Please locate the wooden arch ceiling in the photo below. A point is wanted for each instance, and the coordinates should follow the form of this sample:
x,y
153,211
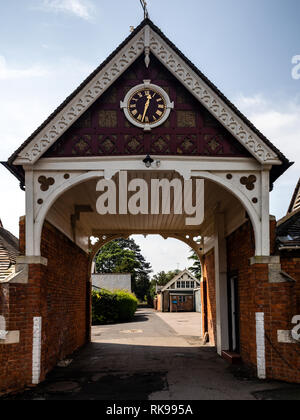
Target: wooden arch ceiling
x,y
104,131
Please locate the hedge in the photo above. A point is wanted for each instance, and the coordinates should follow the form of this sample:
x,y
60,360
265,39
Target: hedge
x,y
113,307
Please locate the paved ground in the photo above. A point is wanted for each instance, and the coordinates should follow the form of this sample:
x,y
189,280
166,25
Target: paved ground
x,y
150,359
185,324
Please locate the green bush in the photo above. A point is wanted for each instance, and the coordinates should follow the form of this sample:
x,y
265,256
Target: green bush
x,y
113,307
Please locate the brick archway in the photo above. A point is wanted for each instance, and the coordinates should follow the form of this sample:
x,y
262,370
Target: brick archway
x,y
258,218
88,137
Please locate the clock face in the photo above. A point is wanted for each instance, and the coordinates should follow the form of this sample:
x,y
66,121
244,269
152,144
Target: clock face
x,y
147,106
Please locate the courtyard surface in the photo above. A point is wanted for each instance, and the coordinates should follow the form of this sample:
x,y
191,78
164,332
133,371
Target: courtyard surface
x,y
155,357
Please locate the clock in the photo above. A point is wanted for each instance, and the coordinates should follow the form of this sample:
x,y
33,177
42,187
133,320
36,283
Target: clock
x,y
147,106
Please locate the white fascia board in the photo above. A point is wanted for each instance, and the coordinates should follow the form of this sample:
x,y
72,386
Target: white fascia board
x,y
193,164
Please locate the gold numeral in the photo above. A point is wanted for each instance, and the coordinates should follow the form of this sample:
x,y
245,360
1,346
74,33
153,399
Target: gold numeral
x,y
134,112
140,117
159,113
161,106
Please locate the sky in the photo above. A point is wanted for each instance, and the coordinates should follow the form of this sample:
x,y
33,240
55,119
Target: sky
x,y
247,48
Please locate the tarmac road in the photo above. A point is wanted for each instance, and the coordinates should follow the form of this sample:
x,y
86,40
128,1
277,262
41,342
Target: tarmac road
x,y
151,358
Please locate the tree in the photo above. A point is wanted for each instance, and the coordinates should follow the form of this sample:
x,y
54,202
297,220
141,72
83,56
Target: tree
x,y
163,278
124,256
196,268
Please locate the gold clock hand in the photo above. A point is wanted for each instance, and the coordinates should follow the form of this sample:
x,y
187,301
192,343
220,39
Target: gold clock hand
x,y
146,107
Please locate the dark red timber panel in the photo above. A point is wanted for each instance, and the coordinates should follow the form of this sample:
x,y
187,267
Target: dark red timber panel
x,y
104,130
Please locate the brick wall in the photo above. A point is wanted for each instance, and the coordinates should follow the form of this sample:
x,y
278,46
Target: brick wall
x,y
240,248
290,263
16,359
58,293
159,303
278,302
64,289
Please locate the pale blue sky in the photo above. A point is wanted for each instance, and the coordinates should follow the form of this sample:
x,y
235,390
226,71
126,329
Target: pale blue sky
x,y
47,47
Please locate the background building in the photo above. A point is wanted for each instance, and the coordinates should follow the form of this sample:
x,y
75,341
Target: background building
x,y
9,250
112,282
178,294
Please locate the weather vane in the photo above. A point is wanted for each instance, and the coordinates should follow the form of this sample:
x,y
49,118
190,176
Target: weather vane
x,y
144,6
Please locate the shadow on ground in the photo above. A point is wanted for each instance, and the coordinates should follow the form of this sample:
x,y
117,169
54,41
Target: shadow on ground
x,y
150,361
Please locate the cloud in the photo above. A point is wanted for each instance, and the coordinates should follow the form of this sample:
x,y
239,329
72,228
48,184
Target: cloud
x,y
80,8
172,252
280,122
29,99
8,73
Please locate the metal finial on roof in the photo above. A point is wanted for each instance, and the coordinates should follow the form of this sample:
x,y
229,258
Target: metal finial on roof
x,y
144,6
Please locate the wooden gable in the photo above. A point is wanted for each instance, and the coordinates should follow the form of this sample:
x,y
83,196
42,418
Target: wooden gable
x,y
9,250
295,202
206,125
104,130
184,276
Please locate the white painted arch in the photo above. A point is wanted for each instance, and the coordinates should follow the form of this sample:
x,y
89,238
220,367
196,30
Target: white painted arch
x,y
34,223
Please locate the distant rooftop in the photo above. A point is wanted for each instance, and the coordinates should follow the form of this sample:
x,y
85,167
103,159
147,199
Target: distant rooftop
x,y
9,250
288,228
295,202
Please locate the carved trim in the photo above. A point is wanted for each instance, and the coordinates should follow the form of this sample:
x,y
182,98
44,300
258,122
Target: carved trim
x,y
45,182
249,182
107,76
211,101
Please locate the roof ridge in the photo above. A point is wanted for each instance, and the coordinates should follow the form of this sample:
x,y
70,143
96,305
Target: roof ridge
x,y
294,197
288,218
276,170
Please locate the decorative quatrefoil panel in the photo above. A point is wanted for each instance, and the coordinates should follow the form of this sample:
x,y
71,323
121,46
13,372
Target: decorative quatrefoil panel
x,y
46,183
249,182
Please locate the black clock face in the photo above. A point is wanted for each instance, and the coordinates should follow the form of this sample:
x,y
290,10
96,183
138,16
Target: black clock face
x,y
147,106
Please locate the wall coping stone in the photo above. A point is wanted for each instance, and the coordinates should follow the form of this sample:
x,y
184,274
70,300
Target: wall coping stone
x,y
265,260
32,260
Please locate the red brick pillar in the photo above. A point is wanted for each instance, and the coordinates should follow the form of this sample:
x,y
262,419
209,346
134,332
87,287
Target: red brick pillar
x,y
88,311
275,297
16,358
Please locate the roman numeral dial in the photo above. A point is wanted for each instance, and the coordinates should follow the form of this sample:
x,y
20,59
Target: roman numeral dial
x,y
147,106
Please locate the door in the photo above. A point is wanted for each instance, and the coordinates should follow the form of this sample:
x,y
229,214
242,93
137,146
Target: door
x,y
234,316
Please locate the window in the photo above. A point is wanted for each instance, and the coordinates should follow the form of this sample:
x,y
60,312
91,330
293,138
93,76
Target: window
x,y
188,284
192,285
182,299
178,285
183,284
